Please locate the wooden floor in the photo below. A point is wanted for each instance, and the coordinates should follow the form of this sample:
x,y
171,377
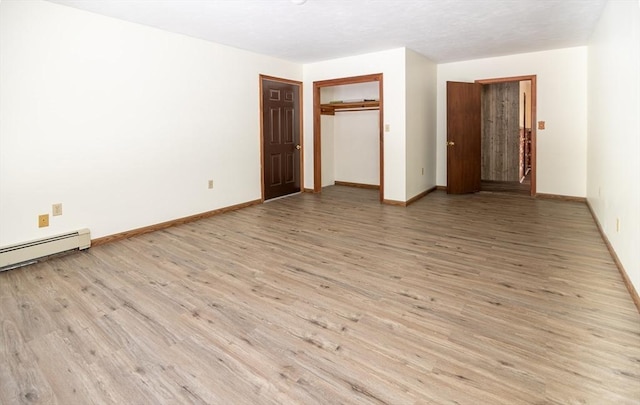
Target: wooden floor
x,y
516,187
329,299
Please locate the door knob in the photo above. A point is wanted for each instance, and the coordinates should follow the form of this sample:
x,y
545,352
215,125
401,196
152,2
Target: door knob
x,y
298,147
450,143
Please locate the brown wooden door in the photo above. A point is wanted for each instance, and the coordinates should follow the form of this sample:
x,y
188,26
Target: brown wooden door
x,y
281,138
463,137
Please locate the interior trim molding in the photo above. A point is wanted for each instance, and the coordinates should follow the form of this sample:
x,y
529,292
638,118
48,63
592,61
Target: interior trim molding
x,y
420,195
169,224
411,200
357,185
395,202
534,120
441,188
560,197
625,277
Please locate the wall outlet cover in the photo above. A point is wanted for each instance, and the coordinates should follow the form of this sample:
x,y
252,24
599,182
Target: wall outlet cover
x,y
43,220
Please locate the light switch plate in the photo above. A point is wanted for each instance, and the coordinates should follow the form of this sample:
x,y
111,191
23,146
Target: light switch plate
x,y
56,209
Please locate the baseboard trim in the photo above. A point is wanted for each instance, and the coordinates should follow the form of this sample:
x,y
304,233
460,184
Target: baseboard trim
x,y
308,190
357,185
411,200
169,224
419,196
625,278
542,195
560,197
395,202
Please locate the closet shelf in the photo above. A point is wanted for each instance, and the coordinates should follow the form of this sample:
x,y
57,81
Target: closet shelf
x,y
331,108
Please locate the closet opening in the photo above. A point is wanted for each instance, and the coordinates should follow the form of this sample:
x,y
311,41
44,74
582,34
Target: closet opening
x,y
348,133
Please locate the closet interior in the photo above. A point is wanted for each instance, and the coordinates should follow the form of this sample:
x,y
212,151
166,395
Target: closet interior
x,y
350,133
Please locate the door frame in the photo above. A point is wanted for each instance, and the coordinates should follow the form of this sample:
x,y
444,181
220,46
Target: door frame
x,y
317,136
534,98
299,106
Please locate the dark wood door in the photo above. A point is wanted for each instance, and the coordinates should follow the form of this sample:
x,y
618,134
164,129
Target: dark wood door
x,y
463,137
281,138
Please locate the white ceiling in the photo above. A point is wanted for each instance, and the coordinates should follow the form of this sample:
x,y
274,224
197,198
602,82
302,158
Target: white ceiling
x,y
442,30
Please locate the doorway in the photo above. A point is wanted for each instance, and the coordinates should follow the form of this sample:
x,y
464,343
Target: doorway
x,y
473,157
280,140
319,108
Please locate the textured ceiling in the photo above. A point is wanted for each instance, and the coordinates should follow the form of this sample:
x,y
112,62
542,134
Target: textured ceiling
x,y
442,30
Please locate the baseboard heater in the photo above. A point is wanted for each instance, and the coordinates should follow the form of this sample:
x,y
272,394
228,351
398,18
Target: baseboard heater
x,y
25,253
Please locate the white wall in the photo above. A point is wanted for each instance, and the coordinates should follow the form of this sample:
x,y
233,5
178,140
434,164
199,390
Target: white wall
x,y
561,102
421,118
121,123
613,186
357,147
327,138
327,147
392,65
525,110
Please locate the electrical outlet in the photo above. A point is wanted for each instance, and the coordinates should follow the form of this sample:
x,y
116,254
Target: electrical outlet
x,y
210,184
387,127
617,224
56,209
43,220
541,124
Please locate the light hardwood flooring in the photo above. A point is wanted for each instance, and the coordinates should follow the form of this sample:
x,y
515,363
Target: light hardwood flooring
x,y
523,188
328,299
